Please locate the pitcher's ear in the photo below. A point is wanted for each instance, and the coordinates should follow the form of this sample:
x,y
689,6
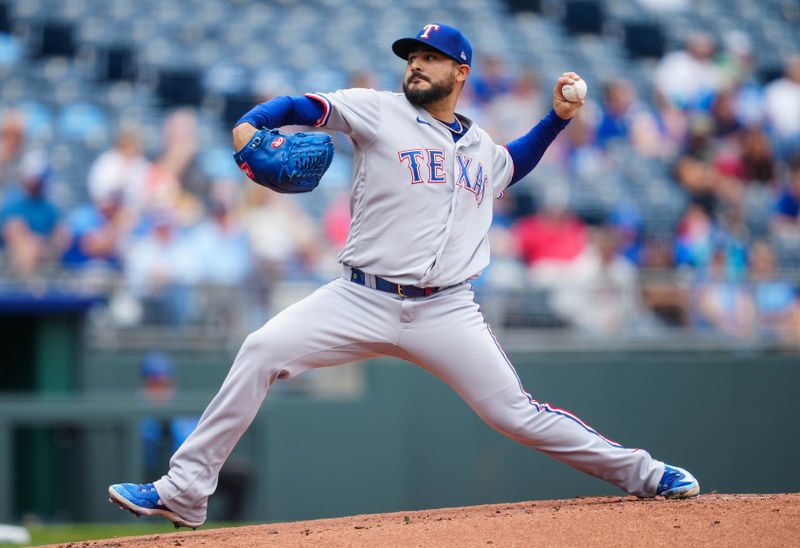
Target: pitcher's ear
x,y
462,72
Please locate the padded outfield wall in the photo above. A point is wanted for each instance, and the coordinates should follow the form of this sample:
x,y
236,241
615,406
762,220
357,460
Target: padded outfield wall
x,y
405,441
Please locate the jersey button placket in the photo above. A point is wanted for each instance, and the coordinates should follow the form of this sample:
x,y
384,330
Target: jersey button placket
x,y
451,214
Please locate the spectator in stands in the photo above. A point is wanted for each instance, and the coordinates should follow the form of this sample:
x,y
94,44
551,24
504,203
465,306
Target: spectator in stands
x,y
737,64
30,222
336,221
609,282
282,236
219,244
159,267
492,79
96,233
694,238
786,220
161,437
735,59
175,180
663,134
664,295
782,104
363,79
699,237
616,115
623,120
508,113
506,271
577,151
335,226
12,146
742,153
123,168
777,306
551,241
696,173
626,220
688,78
736,234
158,380
757,163
723,115
699,180
722,304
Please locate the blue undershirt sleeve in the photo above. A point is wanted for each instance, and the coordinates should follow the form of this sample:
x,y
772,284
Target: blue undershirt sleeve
x,y
284,111
527,150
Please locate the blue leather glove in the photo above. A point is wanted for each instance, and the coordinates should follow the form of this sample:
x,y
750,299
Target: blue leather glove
x,y
289,164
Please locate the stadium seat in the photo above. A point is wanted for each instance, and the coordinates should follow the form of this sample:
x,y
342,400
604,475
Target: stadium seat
x,y
116,63
522,6
56,39
583,16
235,106
10,50
180,88
644,39
5,18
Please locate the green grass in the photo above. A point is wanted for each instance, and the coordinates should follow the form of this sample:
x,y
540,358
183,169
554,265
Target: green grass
x,y
55,534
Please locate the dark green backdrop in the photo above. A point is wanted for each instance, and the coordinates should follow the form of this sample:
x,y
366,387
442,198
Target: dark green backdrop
x,y
408,442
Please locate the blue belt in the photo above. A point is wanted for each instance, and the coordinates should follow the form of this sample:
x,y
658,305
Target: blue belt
x,y
360,278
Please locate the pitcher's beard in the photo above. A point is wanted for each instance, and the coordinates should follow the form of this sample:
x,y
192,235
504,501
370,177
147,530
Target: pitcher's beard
x,y
424,97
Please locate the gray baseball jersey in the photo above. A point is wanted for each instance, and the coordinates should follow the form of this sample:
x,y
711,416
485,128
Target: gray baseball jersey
x,y
421,208
422,204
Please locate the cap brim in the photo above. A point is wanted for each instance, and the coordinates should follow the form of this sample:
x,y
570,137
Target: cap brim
x,y
404,46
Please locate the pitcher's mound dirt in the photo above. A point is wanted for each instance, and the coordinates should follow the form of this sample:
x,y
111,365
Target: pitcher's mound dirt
x,y
709,520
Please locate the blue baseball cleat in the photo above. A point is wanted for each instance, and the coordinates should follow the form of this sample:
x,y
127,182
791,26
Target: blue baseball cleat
x,y
677,483
143,500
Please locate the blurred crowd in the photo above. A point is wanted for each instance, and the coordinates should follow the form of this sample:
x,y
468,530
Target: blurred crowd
x,y
722,135
157,226
152,228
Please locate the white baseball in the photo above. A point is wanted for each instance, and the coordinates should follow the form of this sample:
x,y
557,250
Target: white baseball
x,y
574,93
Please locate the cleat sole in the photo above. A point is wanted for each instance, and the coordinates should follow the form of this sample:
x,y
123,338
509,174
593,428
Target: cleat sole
x,y
690,494
125,504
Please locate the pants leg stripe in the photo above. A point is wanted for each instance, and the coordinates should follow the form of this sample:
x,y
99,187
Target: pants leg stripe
x,y
546,406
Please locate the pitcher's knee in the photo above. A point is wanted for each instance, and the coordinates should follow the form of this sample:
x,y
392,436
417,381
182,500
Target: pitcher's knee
x,y
259,354
264,342
510,422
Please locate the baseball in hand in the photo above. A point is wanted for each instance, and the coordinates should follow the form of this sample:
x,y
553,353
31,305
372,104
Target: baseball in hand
x,y
574,93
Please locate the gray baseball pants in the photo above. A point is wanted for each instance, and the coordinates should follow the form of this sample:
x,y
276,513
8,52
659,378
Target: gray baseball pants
x,y
444,334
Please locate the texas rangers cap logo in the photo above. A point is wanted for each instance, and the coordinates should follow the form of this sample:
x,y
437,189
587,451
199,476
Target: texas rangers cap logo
x,y
278,141
427,31
246,168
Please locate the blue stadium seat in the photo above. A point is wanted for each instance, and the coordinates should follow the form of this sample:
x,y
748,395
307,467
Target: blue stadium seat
x,y
82,121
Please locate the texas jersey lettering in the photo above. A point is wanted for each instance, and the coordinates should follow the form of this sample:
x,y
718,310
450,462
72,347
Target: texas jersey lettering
x,y
432,170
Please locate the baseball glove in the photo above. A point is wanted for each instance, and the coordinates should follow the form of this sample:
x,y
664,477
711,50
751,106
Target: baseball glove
x,y
289,164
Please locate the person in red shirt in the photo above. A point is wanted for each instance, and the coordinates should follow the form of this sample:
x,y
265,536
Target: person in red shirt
x,y
553,234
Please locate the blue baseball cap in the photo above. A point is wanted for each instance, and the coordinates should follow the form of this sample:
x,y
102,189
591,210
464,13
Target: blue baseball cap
x,y
443,38
157,365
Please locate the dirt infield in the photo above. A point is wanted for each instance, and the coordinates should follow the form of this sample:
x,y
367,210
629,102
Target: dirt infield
x,y
709,520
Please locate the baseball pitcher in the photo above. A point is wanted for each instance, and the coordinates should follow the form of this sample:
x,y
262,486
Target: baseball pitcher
x,y
424,182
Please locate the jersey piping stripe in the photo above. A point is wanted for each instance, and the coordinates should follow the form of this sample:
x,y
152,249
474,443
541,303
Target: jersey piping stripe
x,y
325,104
513,167
546,406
